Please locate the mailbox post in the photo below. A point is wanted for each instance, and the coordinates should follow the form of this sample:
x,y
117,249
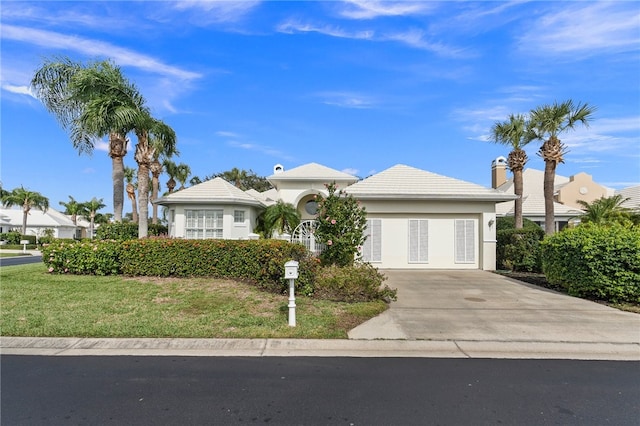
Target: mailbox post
x,y
24,245
291,273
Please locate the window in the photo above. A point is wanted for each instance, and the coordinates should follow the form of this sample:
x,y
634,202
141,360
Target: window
x,y
372,248
201,224
311,207
238,217
465,245
418,241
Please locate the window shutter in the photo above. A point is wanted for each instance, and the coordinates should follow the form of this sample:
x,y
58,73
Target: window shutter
x,y
418,241
372,247
465,230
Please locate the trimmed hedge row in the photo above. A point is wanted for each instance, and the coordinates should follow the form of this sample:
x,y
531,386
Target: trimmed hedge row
x,y
261,262
122,231
596,262
519,249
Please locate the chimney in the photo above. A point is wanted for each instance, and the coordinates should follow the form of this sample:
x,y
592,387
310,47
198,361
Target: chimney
x,y
278,168
498,172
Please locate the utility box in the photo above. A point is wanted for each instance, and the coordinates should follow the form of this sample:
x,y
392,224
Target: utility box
x,y
291,269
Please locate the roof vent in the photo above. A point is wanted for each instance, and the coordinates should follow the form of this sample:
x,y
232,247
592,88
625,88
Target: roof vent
x,y
278,168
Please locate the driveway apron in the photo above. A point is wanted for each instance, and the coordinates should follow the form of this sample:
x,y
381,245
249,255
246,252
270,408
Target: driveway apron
x,y
483,306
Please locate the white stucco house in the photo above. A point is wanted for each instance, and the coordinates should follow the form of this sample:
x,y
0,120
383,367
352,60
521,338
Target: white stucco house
x,y
416,219
39,221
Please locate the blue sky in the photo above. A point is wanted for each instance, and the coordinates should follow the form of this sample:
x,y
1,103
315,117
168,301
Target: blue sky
x,y
357,86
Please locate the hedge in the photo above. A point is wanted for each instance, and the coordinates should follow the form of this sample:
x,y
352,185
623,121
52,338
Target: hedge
x,y
122,231
595,261
519,249
260,262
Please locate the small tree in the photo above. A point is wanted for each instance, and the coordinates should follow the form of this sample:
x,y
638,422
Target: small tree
x,y
341,225
281,217
26,199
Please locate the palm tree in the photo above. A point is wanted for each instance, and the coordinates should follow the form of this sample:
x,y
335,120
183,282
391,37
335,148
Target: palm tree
x,y
548,122
172,169
281,217
195,180
27,200
129,175
156,168
235,176
605,210
90,210
72,208
515,133
57,83
182,174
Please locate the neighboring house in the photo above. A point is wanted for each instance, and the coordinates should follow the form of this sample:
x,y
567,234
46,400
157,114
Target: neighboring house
x,y
38,221
632,194
416,219
567,191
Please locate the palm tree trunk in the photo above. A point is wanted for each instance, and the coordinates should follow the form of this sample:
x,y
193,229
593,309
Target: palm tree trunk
x,y
117,151
143,200
518,189
25,213
549,179
131,193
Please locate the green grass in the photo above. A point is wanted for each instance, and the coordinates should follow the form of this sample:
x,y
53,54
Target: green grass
x,y
14,254
36,303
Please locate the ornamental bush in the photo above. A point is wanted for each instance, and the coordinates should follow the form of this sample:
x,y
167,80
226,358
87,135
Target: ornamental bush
x,y
82,257
356,283
519,249
341,223
122,231
595,261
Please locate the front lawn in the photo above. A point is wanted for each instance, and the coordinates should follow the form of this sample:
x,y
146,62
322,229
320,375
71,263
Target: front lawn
x,y
38,304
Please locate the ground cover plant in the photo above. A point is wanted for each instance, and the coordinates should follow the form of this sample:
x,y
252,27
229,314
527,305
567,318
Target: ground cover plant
x,y
37,303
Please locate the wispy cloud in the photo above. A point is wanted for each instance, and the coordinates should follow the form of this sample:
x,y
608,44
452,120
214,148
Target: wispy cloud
x,y
414,38
121,56
370,9
217,11
350,171
346,100
585,28
226,134
237,142
292,26
20,90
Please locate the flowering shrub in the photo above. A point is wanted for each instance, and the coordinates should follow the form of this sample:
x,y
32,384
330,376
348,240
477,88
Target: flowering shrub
x,y
82,257
341,225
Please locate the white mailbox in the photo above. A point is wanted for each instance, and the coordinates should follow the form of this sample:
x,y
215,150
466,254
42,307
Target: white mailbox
x,y
291,269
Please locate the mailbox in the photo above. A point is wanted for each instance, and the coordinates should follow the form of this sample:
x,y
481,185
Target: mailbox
x,y
291,269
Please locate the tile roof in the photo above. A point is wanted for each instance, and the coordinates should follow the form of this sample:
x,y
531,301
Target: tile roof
x,y
215,190
405,182
533,205
36,218
312,171
633,195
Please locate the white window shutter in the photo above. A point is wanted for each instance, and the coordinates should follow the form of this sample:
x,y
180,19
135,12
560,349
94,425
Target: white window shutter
x,y
418,241
372,247
465,230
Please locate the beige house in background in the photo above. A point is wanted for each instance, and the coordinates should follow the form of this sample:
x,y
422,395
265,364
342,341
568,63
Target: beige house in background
x,y
415,219
567,192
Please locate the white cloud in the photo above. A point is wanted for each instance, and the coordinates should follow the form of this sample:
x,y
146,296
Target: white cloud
x,y
20,90
226,134
267,150
291,27
121,56
346,100
585,28
216,11
370,9
350,171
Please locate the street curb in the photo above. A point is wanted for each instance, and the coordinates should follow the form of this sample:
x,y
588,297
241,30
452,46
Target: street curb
x,y
71,346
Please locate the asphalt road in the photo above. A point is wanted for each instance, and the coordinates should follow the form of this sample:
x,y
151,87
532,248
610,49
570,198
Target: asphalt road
x,y
19,260
38,390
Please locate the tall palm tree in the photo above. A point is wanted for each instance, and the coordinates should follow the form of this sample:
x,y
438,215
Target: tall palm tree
x,y
90,210
129,175
156,168
72,208
605,210
235,176
182,174
548,122
515,133
27,200
56,84
281,217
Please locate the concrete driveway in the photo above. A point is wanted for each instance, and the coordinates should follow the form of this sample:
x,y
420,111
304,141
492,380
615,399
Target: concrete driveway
x,y
483,306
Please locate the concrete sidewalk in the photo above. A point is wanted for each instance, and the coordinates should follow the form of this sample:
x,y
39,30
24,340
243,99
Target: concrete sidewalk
x,y
439,314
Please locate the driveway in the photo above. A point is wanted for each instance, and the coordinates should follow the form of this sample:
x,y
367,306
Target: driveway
x,y
483,306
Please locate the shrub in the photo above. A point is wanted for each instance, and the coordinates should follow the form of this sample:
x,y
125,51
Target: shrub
x,y
357,283
83,257
123,231
341,225
260,262
595,261
11,237
509,222
519,249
